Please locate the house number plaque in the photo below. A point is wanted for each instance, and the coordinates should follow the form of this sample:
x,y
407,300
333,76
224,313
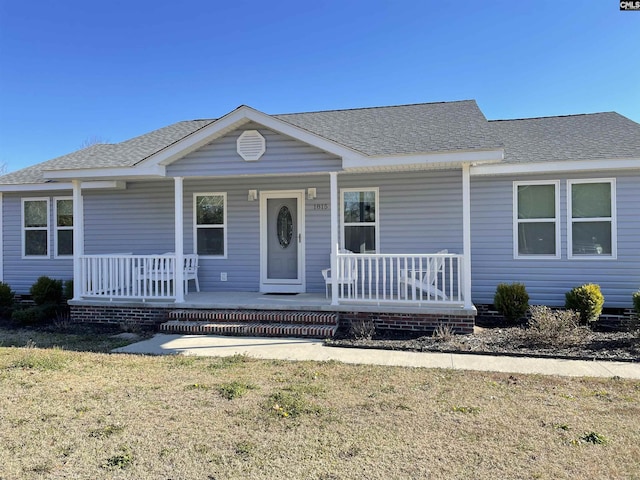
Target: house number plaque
x,y
321,206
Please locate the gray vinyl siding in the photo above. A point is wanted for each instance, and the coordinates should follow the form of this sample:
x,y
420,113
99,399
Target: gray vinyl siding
x,y
283,155
547,280
419,212
21,273
138,220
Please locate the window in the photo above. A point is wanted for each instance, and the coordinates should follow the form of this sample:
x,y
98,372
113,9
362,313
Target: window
x,y
591,226
360,220
536,219
210,218
63,226
35,223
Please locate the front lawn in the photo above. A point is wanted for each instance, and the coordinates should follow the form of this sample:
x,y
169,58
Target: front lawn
x,y
70,414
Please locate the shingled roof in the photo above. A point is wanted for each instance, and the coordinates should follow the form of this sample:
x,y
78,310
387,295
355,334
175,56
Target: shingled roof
x,y
401,130
396,130
593,136
124,154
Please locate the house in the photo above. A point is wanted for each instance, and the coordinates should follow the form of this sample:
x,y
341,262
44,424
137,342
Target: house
x,y
418,210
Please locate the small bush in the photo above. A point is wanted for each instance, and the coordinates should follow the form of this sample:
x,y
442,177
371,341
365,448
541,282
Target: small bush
x,y
587,300
444,333
511,300
47,291
7,298
555,328
27,316
362,329
636,302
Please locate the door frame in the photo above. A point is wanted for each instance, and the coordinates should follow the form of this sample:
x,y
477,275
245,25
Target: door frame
x,y
282,285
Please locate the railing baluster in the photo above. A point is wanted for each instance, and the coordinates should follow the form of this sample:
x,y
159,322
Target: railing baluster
x,y
417,279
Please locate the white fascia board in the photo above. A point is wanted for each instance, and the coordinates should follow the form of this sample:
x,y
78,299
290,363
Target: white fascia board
x,y
39,187
485,156
551,167
237,118
98,173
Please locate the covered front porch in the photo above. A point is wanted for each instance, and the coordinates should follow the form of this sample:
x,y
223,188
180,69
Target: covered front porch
x,y
427,277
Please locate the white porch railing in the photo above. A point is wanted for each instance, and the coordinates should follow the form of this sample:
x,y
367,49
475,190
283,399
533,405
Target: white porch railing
x,y
128,276
415,279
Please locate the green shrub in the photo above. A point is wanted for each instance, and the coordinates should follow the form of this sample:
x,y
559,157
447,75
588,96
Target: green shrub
x,y
511,300
47,291
587,300
636,302
7,298
28,316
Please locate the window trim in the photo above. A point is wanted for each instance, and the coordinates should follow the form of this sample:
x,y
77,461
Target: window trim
x,y
612,219
56,228
25,228
517,221
223,226
375,224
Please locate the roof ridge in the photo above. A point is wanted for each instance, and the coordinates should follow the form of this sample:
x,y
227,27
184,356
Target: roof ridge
x,y
372,108
550,116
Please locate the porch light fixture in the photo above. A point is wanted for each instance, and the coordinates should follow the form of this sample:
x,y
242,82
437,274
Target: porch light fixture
x,y
311,193
252,196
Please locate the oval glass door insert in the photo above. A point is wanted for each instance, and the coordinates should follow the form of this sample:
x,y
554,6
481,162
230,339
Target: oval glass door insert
x,y
284,226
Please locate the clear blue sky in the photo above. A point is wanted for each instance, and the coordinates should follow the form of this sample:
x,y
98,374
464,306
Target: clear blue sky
x,y
71,70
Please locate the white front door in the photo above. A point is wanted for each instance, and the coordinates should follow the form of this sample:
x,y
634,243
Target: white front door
x,y
282,241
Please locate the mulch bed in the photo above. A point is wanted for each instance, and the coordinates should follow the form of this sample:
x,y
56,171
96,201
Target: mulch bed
x,y
592,345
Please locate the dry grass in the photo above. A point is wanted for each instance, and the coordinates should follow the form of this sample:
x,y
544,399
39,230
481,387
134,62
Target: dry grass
x,y
90,415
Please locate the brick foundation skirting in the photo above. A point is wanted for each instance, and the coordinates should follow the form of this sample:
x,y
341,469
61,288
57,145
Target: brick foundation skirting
x,y
411,322
147,317
152,317
623,320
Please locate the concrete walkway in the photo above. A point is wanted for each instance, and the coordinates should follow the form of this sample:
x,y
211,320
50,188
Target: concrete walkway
x,y
308,349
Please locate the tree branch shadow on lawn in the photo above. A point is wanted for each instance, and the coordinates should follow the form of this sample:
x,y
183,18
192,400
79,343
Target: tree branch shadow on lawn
x,y
70,336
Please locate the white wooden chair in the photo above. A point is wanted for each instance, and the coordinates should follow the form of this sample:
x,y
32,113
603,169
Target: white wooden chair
x,y
346,278
410,281
159,270
191,271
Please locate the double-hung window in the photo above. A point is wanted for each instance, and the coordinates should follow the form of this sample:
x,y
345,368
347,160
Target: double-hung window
x,y
63,215
591,228
536,219
35,227
360,220
210,220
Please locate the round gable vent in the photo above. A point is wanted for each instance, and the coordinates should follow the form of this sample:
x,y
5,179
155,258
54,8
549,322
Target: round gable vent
x,y
251,145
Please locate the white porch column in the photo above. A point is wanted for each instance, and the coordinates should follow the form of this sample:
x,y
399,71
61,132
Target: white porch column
x,y
335,204
466,233
78,238
179,238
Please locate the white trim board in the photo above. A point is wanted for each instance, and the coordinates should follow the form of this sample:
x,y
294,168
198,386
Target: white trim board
x,y
53,187
553,167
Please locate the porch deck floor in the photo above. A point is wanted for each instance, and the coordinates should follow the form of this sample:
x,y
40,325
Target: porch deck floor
x,y
257,301
261,301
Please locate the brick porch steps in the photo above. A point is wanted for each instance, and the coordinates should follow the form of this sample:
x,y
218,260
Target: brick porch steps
x,y
258,323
